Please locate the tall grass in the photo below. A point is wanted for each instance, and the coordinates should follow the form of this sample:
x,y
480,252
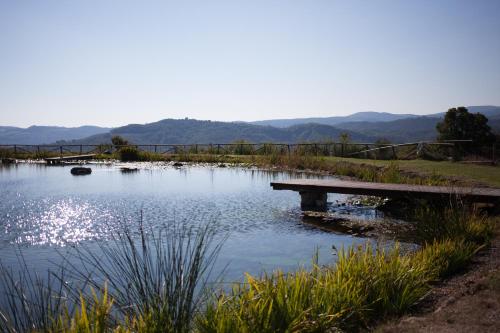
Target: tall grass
x,y
366,285
151,281
30,301
159,278
455,220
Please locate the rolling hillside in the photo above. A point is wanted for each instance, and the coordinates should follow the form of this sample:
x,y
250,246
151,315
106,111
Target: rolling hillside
x,y
403,130
175,131
332,121
46,134
362,126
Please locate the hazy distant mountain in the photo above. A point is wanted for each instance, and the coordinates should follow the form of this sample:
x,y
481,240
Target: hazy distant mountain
x,y
362,126
403,130
359,116
46,134
394,127
418,128
185,131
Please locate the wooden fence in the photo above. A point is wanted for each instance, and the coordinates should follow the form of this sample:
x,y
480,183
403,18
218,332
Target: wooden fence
x,y
437,150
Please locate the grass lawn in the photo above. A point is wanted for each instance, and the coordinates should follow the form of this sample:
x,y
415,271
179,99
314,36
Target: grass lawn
x,y
487,174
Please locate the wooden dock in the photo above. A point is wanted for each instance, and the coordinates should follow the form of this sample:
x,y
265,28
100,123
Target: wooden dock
x,y
313,192
58,160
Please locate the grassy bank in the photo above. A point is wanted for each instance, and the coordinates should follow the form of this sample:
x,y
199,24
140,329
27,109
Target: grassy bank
x,y
400,171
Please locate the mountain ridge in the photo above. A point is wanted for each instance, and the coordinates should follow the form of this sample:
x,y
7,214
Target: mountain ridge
x,y
364,126
182,131
46,134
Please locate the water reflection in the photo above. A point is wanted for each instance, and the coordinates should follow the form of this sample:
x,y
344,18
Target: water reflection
x,y
60,223
47,208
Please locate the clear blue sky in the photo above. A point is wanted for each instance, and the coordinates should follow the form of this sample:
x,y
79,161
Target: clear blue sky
x,y
111,63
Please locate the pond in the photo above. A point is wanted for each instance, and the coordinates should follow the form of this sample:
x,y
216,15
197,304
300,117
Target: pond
x,y
44,210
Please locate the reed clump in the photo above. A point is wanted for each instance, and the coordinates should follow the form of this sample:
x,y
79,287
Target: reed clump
x,y
152,280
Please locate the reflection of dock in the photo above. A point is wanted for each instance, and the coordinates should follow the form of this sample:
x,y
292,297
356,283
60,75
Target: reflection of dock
x,y
57,160
313,191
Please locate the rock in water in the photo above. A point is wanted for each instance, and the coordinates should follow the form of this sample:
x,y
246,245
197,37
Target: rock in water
x,y
78,171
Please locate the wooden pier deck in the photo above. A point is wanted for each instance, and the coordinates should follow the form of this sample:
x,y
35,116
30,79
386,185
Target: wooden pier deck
x,y
57,160
313,191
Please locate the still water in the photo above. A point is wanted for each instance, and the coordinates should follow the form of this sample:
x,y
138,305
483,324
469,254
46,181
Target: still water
x,y
45,210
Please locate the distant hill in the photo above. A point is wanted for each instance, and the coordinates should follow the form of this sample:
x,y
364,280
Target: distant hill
x,y
403,130
185,131
489,111
394,127
361,126
418,128
46,134
359,116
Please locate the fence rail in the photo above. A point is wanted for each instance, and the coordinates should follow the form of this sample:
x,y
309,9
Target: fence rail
x,y
438,150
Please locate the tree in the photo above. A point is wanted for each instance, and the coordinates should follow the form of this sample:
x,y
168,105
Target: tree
x,y
459,124
119,141
344,137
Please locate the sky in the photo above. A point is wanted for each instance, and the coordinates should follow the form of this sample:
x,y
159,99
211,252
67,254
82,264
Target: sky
x,y
111,63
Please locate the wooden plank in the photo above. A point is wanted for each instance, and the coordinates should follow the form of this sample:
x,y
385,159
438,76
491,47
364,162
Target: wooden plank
x,y
69,158
387,190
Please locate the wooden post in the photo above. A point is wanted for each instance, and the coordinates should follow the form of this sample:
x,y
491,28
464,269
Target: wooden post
x,y
342,149
394,153
313,200
81,149
60,150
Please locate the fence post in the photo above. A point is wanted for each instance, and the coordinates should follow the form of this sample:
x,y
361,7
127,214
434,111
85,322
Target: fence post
x,y
394,153
61,150
342,151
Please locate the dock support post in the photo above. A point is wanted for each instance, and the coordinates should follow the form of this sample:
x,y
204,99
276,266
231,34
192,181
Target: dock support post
x,y
310,200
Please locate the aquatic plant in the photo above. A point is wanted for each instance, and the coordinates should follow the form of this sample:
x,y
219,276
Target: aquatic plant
x,y
30,301
154,278
129,154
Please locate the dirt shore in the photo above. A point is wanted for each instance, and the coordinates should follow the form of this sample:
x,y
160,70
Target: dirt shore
x,y
468,302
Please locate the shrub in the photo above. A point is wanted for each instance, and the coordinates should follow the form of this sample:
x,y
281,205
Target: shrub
x,y
129,154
